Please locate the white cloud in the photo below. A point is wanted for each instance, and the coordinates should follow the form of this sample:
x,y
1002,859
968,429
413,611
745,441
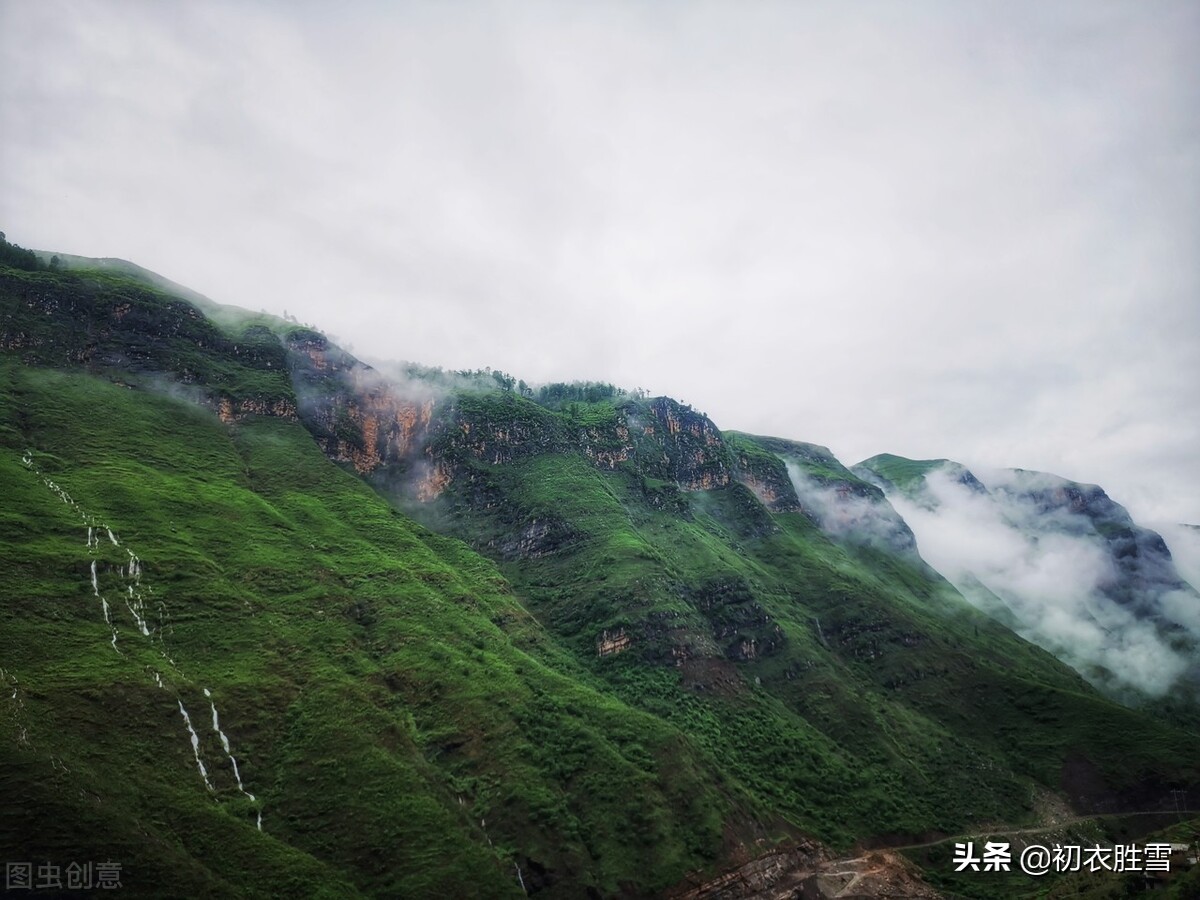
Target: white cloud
x,y
847,515
937,229
1050,568
1184,543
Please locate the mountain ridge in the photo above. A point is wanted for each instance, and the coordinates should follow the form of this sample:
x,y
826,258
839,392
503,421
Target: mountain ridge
x,y
655,648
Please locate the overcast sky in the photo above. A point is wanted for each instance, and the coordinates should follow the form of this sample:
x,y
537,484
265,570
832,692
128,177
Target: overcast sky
x,y
935,229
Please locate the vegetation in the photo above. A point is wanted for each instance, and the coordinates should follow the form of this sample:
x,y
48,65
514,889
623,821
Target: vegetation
x,y
904,473
871,696
601,664
384,692
18,257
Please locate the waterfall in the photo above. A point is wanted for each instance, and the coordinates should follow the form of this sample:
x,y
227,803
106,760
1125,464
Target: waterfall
x,y
137,618
135,602
187,720
216,725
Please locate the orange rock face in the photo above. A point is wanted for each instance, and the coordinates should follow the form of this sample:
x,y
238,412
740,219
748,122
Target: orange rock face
x,y
706,481
430,487
390,427
230,411
613,642
766,493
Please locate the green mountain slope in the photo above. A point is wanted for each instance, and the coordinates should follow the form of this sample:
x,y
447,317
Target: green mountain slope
x,y
858,673
671,660
1118,611
404,726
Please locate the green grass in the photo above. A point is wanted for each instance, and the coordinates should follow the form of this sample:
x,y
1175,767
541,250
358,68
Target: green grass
x,y
416,719
370,675
905,474
914,713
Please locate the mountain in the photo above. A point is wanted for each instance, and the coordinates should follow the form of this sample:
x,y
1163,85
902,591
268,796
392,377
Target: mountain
x,y
1062,562
464,637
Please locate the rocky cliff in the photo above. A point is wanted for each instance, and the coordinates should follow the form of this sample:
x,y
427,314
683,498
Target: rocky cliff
x,y
751,596
146,338
1060,562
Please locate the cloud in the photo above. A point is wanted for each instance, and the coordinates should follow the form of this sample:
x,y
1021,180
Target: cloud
x,y
956,230
1052,572
1184,544
848,513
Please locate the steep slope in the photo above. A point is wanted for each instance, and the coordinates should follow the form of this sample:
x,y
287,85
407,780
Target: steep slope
x,y
1061,562
676,657
844,506
844,682
403,725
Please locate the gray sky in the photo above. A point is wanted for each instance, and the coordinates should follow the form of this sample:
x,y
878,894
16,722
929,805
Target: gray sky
x,y
935,229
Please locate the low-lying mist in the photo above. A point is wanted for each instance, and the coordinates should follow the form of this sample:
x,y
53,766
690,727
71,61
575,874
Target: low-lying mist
x,y
1054,572
1184,541
846,514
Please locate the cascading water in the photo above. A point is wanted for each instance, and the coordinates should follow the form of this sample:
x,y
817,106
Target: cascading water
x,y
137,618
216,725
187,721
135,602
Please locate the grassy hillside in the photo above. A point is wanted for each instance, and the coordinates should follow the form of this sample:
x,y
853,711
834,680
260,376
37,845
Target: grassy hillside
x,y
906,474
851,689
666,665
404,726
